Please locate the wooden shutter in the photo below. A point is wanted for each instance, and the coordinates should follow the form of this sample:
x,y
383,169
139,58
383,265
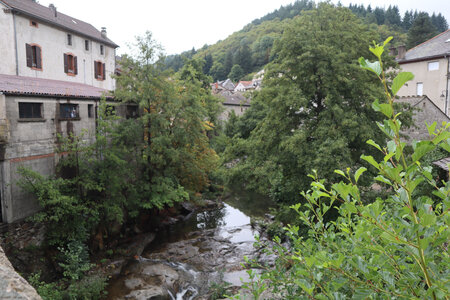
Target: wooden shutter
x,y
104,71
66,63
96,69
38,58
29,55
75,65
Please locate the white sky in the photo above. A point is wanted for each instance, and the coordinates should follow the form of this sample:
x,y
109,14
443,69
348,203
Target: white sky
x,y
179,25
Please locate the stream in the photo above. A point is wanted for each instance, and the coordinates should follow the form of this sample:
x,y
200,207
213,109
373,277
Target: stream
x,y
189,257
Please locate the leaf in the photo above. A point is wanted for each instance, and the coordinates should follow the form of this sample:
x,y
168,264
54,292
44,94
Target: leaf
x,y
421,149
431,128
400,80
359,173
383,179
339,172
370,160
372,143
377,51
374,67
387,40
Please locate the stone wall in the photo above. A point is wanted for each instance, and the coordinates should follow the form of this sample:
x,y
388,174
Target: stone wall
x,y
12,285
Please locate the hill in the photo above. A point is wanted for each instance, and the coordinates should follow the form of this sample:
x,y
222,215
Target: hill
x,y
251,47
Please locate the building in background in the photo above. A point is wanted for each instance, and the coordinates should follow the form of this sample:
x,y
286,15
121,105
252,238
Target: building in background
x,y
430,64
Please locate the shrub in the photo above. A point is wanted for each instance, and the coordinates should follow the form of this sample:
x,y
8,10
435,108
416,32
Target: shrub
x,y
395,247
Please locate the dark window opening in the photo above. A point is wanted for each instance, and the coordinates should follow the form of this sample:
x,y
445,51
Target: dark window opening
x,y
102,51
70,64
86,45
33,23
99,69
132,112
34,56
90,110
68,111
69,39
30,110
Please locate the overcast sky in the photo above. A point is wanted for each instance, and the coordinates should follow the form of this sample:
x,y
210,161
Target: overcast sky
x,y
179,25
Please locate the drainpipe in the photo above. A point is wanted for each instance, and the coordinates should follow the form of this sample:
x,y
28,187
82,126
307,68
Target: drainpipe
x,y
15,43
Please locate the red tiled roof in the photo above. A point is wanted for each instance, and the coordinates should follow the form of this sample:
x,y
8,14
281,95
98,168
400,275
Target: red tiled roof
x,y
246,83
43,13
30,86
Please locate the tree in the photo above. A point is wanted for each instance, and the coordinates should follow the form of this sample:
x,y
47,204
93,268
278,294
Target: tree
x,y
421,30
217,71
407,20
228,62
208,64
439,22
379,15
176,153
317,104
392,16
395,247
236,73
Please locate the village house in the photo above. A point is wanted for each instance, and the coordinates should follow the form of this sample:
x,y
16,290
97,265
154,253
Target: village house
x,y
430,64
54,71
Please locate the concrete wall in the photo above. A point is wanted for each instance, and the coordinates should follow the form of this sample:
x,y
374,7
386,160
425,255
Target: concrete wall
x,y
434,82
31,143
8,65
53,43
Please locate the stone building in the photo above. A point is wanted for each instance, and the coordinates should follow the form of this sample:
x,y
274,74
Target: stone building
x,y
425,112
430,64
54,71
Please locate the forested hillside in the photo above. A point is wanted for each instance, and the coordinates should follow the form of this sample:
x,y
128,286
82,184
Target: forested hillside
x,y
251,48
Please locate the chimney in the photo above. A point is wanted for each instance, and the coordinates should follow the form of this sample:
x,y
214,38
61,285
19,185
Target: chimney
x,y
53,9
392,51
104,32
401,52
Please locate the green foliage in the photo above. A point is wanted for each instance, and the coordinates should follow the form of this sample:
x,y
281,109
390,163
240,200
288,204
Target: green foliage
x,y
393,248
421,30
313,111
236,73
75,260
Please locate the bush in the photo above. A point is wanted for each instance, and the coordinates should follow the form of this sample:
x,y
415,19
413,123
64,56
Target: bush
x,y
395,247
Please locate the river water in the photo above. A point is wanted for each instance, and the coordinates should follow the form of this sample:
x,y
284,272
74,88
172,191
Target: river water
x,y
190,257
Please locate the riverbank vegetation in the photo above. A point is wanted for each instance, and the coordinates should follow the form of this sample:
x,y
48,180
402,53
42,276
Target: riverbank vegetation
x,y
132,168
394,247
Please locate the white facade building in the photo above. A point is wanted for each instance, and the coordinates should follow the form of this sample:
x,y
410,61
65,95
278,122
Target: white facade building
x,y
40,42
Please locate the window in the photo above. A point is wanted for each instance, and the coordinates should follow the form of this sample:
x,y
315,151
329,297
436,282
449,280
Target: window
x,y
30,110
102,50
419,89
70,64
99,70
132,112
90,110
86,45
68,111
433,66
34,56
69,39
33,23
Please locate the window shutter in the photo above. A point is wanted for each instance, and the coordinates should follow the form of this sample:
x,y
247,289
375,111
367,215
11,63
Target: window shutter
x,y
38,58
104,71
95,69
29,55
75,66
66,67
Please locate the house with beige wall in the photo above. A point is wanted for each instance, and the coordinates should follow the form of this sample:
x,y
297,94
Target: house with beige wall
x,y
54,71
430,64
